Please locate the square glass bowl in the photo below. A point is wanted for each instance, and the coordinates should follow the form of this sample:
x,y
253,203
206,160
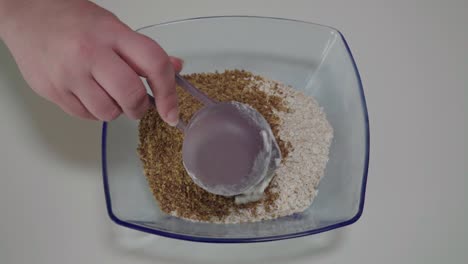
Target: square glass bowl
x,y
309,57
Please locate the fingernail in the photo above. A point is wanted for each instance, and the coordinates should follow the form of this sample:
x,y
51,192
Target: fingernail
x,y
178,63
173,117
181,61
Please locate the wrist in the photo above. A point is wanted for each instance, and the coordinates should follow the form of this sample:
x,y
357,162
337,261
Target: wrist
x,y
9,10
15,14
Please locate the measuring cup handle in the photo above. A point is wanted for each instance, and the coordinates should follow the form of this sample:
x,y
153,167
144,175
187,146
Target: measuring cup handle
x,y
199,95
180,125
194,91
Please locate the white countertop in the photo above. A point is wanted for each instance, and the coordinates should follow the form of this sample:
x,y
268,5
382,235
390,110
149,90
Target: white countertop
x,y
413,60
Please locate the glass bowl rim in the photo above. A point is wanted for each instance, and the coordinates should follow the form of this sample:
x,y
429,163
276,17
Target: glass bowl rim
x,y
350,221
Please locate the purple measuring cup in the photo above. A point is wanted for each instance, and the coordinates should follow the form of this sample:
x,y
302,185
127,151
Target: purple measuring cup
x,y
228,147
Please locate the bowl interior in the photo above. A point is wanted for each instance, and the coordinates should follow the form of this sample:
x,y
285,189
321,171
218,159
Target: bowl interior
x,y
309,57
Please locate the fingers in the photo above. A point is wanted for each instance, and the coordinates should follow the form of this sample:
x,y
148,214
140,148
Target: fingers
x,y
74,107
114,85
122,84
96,100
149,60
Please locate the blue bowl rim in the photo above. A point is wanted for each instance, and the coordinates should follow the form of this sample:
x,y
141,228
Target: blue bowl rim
x,y
248,239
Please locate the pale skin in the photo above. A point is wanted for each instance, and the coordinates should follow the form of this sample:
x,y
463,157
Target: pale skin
x,y
84,59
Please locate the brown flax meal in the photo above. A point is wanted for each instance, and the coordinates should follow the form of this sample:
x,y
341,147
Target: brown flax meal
x,y
160,150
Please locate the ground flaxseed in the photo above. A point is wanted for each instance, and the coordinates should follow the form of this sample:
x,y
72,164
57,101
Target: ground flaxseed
x,y
160,147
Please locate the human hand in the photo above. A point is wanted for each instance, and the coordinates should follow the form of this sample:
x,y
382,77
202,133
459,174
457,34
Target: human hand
x,y
81,57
